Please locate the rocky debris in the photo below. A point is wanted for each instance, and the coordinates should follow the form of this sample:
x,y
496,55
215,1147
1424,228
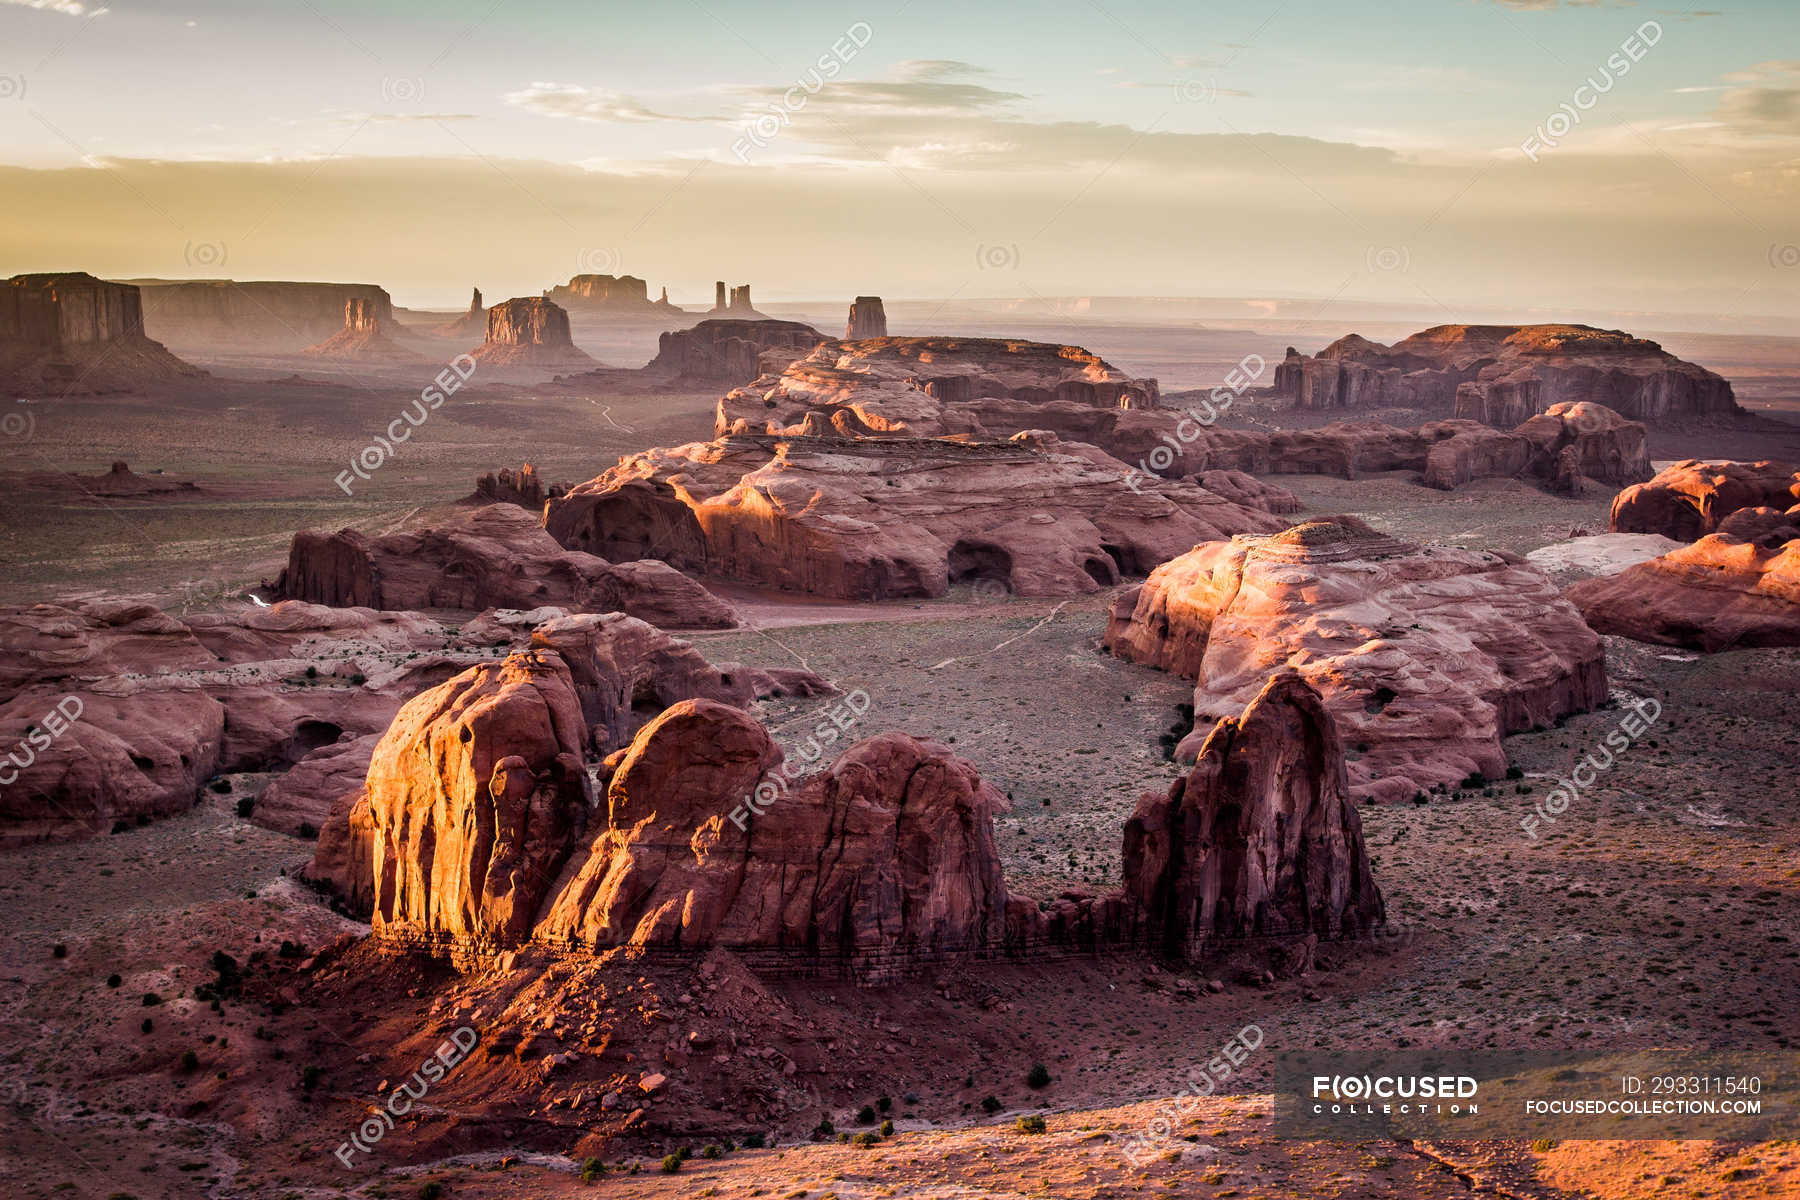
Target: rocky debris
x,y
364,336
491,557
471,324
1564,447
867,319
152,707
1425,655
71,332
274,315
889,517
1694,498
522,487
610,294
1502,375
529,331
730,351
1730,590
1260,839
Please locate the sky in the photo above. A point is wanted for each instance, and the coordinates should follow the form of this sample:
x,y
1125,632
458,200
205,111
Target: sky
x,y
1450,153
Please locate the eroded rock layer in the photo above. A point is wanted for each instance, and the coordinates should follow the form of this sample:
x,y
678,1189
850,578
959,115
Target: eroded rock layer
x,y
729,352
1693,498
882,518
529,331
1502,375
1425,655
495,556
72,332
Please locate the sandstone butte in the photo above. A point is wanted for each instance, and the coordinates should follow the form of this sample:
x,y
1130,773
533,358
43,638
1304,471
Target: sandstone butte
x,y
365,335
867,319
164,704
870,519
480,831
275,315
1693,498
995,388
529,331
71,332
1425,655
1734,589
1504,374
494,556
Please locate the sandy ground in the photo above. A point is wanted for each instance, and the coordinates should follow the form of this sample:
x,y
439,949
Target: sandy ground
x,y
1660,910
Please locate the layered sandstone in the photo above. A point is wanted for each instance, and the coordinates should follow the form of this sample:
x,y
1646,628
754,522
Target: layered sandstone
x,y
523,487
72,332
270,315
1694,498
867,319
737,304
1731,590
731,351
887,518
1425,656
365,335
529,331
624,294
1502,375
1261,839
495,556
1560,448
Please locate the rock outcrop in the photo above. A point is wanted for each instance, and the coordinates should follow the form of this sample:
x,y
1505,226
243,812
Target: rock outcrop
x,y
1560,448
737,304
1260,839
496,556
529,331
276,316
365,335
1734,589
1693,498
1425,656
472,324
1502,375
730,352
867,319
522,487
887,518
71,332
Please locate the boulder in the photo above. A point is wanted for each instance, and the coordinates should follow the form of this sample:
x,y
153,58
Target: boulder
x,y
1730,590
1425,655
491,557
529,331
889,517
1693,498
1260,839
1503,375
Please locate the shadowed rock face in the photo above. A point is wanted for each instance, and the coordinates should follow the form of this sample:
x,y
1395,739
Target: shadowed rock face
x,y
529,331
366,334
881,518
729,352
1694,498
1425,656
1734,589
275,315
868,319
1260,839
1560,448
492,557
1502,375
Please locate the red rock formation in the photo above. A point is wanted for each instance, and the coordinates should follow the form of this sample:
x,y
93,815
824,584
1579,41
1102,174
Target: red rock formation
x,y
271,315
470,325
1694,498
1503,375
364,336
1249,491
879,518
522,487
1260,839
1424,655
612,294
491,557
1562,447
1725,592
731,352
529,331
867,319
72,332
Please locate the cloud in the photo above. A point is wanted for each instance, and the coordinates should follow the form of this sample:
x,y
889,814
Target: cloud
x,y
579,103
71,8
1765,100
1546,5
937,68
